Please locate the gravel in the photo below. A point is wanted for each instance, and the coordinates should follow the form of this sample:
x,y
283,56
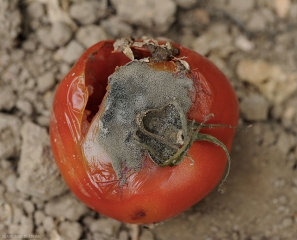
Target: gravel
x,y
72,52
45,82
254,108
253,42
66,206
7,97
9,135
95,34
149,14
88,12
60,33
10,23
38,173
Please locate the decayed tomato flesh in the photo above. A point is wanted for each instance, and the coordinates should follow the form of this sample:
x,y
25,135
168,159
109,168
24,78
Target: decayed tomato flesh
x,y
152,194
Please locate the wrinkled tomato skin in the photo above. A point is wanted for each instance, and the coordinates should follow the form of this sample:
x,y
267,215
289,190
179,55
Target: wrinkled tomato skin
x,y
152,194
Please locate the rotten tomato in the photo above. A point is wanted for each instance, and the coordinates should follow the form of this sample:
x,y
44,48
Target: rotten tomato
x,y
141,129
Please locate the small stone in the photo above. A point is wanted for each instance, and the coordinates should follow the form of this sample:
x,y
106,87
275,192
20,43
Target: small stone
x,y
289,113
241,6
44,36
90,34
257,21
17,54
106,226
72,52
10,139
24,226
276,85
39,231
146,235
54,235
282,7
38,217
30,84
100,236
66,206
26,76
88,12
186,4
17,214
39,106
268,15
43,121
45,82
10,23
293,12
34,63
60,33
35,10
150,14
201,16
64,68
187,37
24,106
28,207
29,45
38,203
244,44
70,230
116,28
285,142
38,173
254,108
277,111
7,97
6,214
268,138
216,39
123,235
10,182
253,71
48,99
48,223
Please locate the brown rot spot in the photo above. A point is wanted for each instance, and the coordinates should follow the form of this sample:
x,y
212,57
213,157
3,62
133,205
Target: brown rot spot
x,y
138,214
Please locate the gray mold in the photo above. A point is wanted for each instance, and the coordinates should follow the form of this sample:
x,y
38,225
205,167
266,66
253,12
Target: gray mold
x,y
133,89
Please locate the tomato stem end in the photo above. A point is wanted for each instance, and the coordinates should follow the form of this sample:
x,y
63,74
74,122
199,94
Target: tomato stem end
x,y
185,132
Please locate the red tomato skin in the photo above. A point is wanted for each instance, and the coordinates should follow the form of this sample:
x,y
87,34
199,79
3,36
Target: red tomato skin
x,y
152,194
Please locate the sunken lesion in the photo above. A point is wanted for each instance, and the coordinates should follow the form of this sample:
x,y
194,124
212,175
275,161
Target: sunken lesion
x,y
138,214
161,131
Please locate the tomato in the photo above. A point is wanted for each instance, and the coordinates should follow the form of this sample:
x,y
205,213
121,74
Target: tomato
x,y
142,140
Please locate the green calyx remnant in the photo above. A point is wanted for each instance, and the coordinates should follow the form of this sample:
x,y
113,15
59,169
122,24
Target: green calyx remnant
x,y
167,135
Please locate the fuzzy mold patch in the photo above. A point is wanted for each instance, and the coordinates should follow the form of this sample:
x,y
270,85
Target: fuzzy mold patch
x,y
133,89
